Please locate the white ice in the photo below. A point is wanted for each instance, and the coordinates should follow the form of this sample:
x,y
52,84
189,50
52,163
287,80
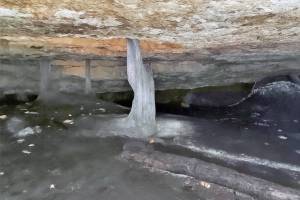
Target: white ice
x,y
140,78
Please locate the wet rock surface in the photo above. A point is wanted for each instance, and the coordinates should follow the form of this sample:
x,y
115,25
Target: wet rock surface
x,y
108,74
276,100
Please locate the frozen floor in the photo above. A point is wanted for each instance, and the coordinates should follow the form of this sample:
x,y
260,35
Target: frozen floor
x,y
57,164
61,162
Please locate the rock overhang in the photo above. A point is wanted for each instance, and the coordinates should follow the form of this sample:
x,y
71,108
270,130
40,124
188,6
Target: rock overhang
x,y
183,24
199,41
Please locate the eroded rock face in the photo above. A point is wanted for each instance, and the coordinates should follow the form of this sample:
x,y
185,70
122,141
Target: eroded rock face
x,y
109,74
189,24
188,43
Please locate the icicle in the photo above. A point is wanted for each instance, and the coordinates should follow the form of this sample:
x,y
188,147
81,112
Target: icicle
x,y
88,82
45,68
140,77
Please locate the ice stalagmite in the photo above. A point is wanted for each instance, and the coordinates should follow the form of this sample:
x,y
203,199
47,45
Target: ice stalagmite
x,y
88,82
45,68
140,78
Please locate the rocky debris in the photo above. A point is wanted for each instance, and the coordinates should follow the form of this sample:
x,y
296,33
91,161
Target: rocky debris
x,y
276,100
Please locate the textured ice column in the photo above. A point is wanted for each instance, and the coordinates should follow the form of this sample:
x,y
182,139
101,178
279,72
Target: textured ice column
x,y
140,78
88,82
45,68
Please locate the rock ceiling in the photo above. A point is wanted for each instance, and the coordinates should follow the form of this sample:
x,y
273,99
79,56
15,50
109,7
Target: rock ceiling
x,y
95,28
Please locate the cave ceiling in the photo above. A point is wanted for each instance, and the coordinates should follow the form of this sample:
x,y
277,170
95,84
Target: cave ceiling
x,y
182,29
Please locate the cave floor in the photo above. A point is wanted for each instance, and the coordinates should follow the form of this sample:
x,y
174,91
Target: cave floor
x,y
61,162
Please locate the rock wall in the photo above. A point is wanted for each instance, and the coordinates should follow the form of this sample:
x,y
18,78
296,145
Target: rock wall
x,y
109,74
189,43
189,23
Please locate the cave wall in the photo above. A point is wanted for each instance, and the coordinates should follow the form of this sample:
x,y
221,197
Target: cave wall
x,y
189,44
109,74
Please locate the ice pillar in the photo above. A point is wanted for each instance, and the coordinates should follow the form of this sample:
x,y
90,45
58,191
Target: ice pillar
x,y
140,78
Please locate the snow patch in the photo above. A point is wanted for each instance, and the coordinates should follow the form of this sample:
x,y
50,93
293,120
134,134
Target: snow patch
x,y
25,132
28,131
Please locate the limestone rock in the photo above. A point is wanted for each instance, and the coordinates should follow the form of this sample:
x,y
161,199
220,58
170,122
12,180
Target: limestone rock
x,y
83,27
189,43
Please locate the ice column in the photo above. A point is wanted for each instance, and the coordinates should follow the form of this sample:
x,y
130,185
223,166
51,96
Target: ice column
x,y
140,78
